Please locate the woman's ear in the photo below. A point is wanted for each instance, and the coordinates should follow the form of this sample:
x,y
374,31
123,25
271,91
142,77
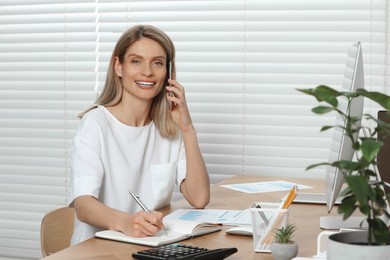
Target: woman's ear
x,y
118,67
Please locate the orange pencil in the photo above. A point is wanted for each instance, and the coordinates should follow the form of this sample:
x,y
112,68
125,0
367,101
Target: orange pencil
x,y
291,196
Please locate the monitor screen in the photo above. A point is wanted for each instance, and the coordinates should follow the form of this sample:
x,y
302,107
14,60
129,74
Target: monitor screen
x,y
384,153
341,146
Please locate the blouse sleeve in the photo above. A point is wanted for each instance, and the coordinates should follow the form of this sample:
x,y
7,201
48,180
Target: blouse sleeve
x,y
86,164
181,165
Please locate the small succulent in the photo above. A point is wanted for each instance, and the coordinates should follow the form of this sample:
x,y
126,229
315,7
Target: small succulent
x,y
284,235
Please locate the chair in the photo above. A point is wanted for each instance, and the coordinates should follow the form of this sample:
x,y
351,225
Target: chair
x,y
56,230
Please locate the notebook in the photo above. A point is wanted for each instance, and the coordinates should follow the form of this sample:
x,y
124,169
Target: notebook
x,y
177,230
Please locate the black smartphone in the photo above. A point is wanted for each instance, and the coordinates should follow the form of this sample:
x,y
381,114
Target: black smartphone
x,y
170,93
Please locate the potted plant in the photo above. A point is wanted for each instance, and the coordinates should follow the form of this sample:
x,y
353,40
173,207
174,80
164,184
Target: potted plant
x,y
363,191
283,247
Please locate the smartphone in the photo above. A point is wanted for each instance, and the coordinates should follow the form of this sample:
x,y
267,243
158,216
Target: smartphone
x,y
170,93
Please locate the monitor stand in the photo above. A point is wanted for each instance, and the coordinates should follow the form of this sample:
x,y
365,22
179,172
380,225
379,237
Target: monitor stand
x,y
337,222
313,198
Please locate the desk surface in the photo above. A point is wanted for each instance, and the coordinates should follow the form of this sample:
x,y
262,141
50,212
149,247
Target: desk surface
x,y
304,216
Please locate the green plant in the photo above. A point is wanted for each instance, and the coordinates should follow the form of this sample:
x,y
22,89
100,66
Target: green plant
x,y
363,190
284,235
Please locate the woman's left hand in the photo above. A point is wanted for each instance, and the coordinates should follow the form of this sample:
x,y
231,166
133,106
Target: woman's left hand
x,y
179,111
196,186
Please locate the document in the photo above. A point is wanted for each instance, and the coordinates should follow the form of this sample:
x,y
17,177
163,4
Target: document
x,y
176,230
266,186
214,216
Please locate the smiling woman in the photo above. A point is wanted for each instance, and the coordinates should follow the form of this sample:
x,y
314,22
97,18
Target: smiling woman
x,y
122,145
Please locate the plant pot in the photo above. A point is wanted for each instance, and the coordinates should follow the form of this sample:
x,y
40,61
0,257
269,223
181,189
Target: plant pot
x,y
353,245
284,251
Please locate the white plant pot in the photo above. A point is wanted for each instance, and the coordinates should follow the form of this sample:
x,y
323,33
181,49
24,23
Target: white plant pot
x,y
284,251
353,245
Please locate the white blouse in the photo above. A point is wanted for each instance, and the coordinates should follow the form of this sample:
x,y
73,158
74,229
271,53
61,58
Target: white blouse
x,y
109,159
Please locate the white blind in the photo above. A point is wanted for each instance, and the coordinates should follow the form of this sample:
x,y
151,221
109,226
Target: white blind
x,y
240,62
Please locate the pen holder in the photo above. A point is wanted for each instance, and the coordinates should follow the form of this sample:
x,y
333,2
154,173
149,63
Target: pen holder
x,y
263,232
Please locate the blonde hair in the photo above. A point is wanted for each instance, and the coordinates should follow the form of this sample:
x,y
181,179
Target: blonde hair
x,y
113,88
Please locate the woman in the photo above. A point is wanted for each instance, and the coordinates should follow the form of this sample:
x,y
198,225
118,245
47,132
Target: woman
x,y
133,140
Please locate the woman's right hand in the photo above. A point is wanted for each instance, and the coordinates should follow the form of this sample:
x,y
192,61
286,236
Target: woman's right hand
x,y
144,224
141,224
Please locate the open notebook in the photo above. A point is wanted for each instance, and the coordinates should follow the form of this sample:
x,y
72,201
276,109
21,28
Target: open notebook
x,y
177,230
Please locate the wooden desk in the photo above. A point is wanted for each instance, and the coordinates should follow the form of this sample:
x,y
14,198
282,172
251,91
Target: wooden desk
x,y
305,216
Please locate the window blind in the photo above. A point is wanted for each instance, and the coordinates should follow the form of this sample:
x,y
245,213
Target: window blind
x,y
240,62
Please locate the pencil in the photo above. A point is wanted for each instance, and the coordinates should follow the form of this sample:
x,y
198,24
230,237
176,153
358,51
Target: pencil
x,y
268,238
291,196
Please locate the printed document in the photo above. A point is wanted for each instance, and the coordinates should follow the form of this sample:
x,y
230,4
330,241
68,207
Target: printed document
x,y
266,186
215,216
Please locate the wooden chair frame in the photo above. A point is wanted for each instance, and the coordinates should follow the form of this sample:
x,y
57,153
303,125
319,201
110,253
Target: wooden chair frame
x,y
56,230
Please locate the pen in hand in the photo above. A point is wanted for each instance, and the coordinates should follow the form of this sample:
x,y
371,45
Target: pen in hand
x,y
143,207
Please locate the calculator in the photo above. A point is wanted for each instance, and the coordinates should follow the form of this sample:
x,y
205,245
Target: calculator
x,y
183,252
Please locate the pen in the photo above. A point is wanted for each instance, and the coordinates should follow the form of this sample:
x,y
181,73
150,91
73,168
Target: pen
x,y
142,205
262,215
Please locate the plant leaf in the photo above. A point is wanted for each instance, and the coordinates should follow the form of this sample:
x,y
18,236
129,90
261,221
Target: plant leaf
x,y
360,188
347,166
370,148
381,233
326,127
322,109
380,98
316,165
283,235
346,192
323,93
347,206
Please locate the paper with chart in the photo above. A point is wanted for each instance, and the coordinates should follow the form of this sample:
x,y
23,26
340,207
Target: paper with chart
x,y
215,216
265,186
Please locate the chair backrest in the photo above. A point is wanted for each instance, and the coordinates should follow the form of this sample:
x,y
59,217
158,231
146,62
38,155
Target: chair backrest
x,y
56,230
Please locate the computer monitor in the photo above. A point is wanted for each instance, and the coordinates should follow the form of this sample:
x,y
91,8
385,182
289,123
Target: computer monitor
x,y
341,145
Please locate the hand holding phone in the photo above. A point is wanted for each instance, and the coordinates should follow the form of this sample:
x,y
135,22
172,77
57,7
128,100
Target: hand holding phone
x,y
170,102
